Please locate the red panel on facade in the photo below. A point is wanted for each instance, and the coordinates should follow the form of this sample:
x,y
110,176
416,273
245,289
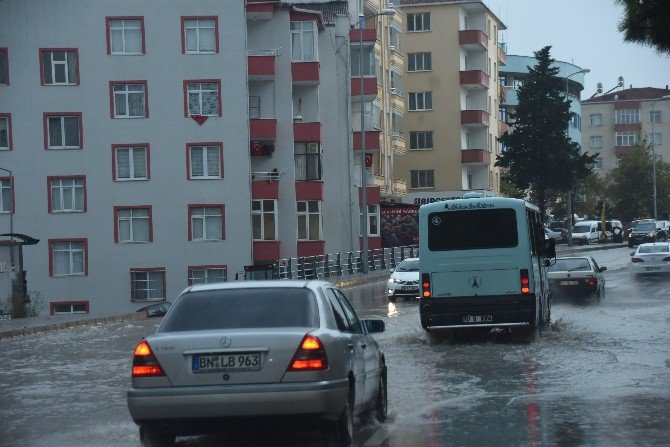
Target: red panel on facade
x,y
259,8
261,66
306,132
475,156
311,248
263,129
627,127
266,250
307,72
502,127
374,242
372,195
264,189
502,56
475,77
304,16
473,37
309,190
475,117
627,105
369,87
620,150
371,140
369,35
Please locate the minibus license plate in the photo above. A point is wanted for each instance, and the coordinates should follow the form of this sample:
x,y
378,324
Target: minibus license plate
x,y
240,361
569,283
652,269
409,288
477,318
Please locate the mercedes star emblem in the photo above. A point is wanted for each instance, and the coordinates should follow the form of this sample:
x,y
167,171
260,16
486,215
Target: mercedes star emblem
x,y
436,220
475,282
225,342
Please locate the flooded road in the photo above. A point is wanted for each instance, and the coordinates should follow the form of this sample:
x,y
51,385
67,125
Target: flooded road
x,y
600,376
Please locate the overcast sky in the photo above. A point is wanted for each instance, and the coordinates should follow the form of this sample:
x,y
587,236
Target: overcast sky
x,y
583,32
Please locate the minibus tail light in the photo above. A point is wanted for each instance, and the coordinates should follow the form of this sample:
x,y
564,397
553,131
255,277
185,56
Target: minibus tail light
x,y
425,285
525,281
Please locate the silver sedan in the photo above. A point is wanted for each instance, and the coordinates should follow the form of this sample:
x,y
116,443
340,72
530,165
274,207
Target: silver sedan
x,y
257,348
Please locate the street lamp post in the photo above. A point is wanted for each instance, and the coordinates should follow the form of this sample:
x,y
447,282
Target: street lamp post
x,y
653,154
364,177
567,131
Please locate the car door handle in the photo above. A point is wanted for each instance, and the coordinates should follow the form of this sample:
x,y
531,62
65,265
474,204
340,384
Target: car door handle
x,y
364,345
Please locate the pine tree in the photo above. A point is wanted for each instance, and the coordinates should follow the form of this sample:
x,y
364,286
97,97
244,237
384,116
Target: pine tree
x,y
647,22
539,155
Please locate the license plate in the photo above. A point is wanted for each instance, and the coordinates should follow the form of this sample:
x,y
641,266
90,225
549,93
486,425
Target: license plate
x,y
226,362
652,269
409,288
569,283
477,318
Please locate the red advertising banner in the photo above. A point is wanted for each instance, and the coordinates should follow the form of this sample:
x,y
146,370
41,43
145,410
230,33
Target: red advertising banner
x,y
399,224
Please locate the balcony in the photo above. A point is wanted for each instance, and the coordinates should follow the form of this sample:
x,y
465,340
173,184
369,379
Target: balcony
x,y
261,65
474,79
502,93
473,40
632,127
260,11
266,250
475,156
371,140
309,190
399,186
620,150
396,57
263,129
475,118
306,73
307,132
311,248
369,35
502,127
369,88
502,56
398,143
265,185
397,99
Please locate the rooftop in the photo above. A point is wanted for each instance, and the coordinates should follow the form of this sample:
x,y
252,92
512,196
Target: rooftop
x,y
631,94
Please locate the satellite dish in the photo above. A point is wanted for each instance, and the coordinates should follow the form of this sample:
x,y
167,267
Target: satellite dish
x,y
620,84
600,87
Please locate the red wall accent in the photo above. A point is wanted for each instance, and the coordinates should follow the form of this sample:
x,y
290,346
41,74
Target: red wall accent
x,y
306,132
627,127
311,248
369,35
261,66
266,250
305,71
475,156
374,242
371,140
264,189
303,17
309,190
369,87
475,117
263,129
372,195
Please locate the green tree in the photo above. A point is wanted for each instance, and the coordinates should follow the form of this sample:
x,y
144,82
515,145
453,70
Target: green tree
x,y
631,189
587,196
646,22
507,189
539,155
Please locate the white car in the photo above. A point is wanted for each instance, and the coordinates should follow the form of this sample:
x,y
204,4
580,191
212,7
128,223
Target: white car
x,y
585,232
404,280
651,258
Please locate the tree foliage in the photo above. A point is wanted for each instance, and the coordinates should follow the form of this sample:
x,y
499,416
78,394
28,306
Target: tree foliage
x,y
631,189
647,22
539,155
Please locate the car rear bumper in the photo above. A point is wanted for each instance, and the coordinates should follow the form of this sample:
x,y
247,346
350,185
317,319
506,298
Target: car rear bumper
x,y
505,310
640,268
580,290
176,403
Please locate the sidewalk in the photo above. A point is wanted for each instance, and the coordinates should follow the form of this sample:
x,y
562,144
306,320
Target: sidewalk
x,y
20,327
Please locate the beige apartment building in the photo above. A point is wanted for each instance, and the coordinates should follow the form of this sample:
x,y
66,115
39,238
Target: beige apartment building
x,y
614,122
452,55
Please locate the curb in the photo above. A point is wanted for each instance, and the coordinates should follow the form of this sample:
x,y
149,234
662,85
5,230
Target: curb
x,y
582,248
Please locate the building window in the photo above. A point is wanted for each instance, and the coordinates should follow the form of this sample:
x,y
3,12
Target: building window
x,y
130,162
205,160
517,84
307,161
68,257
5,132
627,116
655,116
418,22
204,274
133,224
596,119
69,307
129,99
596,142
67,194
6,195
309,220
254,107
419,61
502,114
599,163
421,140
303,41
394,37
125,35
576,121
59,66
206,222
4,66
200,35
420,101
368,62
202,98
628,138
422,179
656,139
62,131
147,284
264,219
373,220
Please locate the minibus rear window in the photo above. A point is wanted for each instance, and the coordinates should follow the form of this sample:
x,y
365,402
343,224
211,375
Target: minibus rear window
x,y
472,229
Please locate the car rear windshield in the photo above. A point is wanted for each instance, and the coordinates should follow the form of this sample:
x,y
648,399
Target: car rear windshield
x,y
243,308
581,228
654,249
570,265
647,226
408,266
472,229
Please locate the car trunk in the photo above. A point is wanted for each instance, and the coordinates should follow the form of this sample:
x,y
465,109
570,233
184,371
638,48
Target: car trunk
x,y
226,356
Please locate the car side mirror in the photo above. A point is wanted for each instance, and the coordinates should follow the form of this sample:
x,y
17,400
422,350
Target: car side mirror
x,y
391,270
374,326
602,269
547,262
550,248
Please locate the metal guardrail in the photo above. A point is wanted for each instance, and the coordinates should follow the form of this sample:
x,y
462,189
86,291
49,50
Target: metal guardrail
x,y
342,265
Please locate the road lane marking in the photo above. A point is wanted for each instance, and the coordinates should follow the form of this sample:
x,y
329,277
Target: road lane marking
x,y
379,436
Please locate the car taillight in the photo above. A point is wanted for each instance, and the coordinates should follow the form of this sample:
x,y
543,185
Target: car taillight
x,y
636,260
525,281
425,285
310,356
592,282
145,363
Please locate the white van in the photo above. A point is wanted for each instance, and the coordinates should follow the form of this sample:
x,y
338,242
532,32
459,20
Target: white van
x,y
585,232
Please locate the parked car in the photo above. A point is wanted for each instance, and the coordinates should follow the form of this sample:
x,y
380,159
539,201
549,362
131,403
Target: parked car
x,y
585,232
257,348
564,233
155,310
648,231
634,223
651,258
577,277
557,236
613,230
404,280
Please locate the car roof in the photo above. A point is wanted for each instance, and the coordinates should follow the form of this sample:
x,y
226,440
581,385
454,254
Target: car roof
x,y
258,284
652,244
573,257
410,259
